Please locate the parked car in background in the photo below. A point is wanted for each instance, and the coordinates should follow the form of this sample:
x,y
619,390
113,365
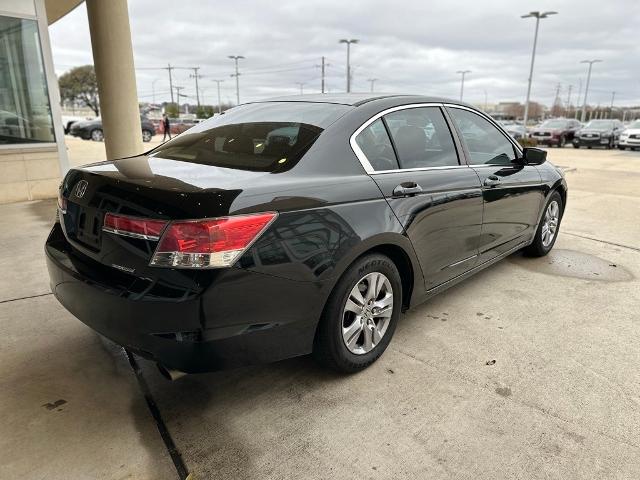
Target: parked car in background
x,y
599,133
630,136
295,225
69,120
92,130
555,132
516,130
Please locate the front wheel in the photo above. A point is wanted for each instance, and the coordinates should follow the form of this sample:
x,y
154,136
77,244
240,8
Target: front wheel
x,y
547,231
360,316
576,145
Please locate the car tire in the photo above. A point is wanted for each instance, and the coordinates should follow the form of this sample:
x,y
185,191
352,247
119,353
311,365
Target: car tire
x,y
97,135
345,340
544,240
575,145
620,147
146,135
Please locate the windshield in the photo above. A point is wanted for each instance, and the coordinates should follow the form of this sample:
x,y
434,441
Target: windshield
x,y
266,137
554,124
635,124
600,125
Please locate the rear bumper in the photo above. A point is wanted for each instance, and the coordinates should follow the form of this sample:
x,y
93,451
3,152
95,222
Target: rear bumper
x,y
241,318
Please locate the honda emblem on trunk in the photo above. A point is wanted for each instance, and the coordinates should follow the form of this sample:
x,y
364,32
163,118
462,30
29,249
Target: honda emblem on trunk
x,y
81,188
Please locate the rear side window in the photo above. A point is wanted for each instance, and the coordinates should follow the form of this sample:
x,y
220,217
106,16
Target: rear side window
x,y
268,137
485,143
376,146
422,138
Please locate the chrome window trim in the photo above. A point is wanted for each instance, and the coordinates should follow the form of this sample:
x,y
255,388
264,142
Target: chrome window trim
x,y
364,161
495,124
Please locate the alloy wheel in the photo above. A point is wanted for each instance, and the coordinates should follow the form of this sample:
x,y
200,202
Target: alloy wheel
x,y
97,135
146,136
550,225
367,313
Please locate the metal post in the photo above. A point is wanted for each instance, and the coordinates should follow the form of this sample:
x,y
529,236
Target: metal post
x,y
322,76
586,88
169,69
196,75
464,73
349,42
219,101
237,75
372,81
537,16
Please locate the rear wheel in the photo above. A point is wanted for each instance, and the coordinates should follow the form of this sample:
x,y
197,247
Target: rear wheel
x,y
97,135
576,145
547,231
146,135
360,316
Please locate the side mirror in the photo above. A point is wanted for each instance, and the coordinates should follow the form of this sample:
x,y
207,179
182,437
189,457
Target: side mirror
x,y
534,156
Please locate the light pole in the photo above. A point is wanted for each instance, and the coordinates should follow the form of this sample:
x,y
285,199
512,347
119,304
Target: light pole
x,y
349,42
196,75
219,102
586,88
537,16
237,75
372,81
464,73
301,85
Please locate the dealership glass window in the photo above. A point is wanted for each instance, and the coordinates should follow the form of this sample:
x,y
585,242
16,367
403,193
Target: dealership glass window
x,y
25,111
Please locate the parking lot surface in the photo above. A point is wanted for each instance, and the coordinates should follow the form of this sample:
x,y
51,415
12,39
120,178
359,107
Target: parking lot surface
x,y
527,370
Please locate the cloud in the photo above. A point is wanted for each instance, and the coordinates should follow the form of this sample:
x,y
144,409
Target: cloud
x,y
409,46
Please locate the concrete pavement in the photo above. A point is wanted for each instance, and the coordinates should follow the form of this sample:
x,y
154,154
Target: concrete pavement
x,y
527,370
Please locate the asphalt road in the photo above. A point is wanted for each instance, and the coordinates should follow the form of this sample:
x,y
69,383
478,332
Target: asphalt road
x,y
527,370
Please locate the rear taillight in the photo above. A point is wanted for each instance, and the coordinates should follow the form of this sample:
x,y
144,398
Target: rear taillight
x,y
133,226
212,243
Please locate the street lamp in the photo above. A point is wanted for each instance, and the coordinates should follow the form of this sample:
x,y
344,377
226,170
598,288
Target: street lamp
x,y
237,75
464,73
372,81
349,42
537,16
586,88
219,102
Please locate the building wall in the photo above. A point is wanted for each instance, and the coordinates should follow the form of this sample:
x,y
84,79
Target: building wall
x,y
31,165
29,174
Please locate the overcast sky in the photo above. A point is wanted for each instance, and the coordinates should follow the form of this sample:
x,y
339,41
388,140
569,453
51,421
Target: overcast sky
x,y
409,46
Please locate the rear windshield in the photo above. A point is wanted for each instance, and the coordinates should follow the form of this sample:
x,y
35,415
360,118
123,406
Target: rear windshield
x,y
266,137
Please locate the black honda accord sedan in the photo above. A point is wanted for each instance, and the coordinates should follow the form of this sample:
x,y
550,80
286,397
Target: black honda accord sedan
x,y
295,225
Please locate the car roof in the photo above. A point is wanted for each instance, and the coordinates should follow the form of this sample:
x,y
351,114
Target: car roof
x,y
357,99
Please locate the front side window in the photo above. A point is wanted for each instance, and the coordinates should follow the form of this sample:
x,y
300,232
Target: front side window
x,y
485,143
25,111
422,138
376,146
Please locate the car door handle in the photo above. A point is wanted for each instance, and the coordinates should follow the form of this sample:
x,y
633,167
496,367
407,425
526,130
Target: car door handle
x,y
491,181
406,189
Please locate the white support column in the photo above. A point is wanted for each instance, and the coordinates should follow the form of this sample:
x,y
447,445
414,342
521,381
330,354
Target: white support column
x,y
113,61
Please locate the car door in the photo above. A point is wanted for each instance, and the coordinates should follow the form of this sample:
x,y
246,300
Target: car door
x,y
512,192
411,154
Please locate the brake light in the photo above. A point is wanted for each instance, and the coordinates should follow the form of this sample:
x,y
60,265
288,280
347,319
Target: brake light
x,y
212,243
133,226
